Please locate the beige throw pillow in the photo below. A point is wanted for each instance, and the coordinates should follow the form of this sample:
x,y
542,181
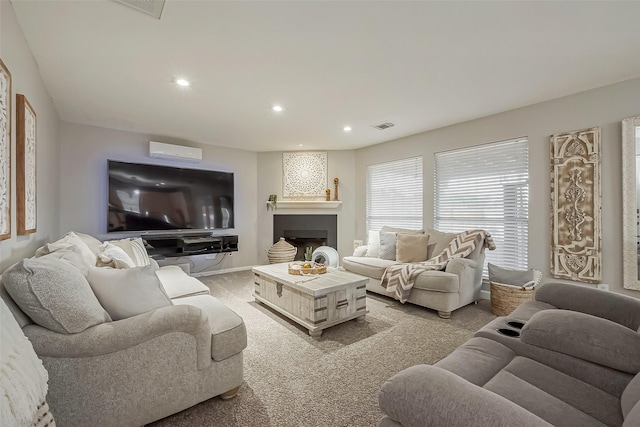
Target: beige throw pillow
x,y
135,249
114,256
411,247
128,292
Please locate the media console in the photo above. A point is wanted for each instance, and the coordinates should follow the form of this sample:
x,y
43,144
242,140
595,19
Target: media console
x,y
193,244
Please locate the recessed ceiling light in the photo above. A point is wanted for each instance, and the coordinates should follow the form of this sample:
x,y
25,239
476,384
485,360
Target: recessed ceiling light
x,y
182,82
299,145
277,108
347,128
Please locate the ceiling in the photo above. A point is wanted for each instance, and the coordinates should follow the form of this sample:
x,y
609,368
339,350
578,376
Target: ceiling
x,y
420,65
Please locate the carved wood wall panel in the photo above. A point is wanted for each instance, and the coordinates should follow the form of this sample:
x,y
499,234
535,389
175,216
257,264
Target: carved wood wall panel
x,y
576,206
304,174
26,129
5,152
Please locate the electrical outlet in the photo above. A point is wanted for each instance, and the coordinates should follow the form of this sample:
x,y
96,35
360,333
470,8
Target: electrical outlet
x,y
603,286
357,243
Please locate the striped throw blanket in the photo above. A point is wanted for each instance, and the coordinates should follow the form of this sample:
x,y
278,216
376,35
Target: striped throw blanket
x,y
401,277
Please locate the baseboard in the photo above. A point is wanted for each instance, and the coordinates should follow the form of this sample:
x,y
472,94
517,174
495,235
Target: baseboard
x,y
484,294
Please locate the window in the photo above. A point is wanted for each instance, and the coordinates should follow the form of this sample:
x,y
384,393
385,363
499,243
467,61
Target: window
x,y
394,194
487,187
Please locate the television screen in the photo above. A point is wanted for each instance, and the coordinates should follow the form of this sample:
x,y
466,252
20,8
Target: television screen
x,y
146,197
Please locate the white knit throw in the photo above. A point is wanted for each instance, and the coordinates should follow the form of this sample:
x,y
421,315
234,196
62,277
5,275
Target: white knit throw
x,y
23,379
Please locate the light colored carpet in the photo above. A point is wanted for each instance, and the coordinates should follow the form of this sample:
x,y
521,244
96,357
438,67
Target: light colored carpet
x,y
292,379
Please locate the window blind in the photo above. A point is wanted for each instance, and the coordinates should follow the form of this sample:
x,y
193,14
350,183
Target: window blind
x,y
394,194
487,187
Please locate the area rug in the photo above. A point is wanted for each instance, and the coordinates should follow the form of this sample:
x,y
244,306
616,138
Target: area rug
x,y
292,379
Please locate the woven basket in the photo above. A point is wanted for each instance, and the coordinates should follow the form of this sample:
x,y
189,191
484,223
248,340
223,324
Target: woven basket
x,y
281,251
505,298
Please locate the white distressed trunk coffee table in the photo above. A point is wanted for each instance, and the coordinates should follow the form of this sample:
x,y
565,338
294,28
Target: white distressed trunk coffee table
x,y
315,302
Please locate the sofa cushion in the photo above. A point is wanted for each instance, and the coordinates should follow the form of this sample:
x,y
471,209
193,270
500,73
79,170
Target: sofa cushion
x,y
92,243
127,292
114,256
54,294
582,335
439,281
527,309
388,240
619,308
178,284
477,360
72,249
438,242
387,229
509,276
228,333
554,396
135,249
365,266
373,244
411,247
387,246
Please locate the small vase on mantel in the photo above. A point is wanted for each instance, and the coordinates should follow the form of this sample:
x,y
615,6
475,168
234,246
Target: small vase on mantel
x,y
281,251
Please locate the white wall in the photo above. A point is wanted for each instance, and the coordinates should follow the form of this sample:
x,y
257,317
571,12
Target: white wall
x,y
339,165
605,107
84,151
26,80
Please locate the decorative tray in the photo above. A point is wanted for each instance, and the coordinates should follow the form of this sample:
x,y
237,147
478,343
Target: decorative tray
x,y
303,267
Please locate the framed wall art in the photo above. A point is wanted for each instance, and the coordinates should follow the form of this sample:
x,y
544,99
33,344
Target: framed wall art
x,y
26,127
304,175
576,252
5,152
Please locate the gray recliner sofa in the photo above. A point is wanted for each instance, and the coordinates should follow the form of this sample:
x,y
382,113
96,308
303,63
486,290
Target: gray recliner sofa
x,y
569,358
444,291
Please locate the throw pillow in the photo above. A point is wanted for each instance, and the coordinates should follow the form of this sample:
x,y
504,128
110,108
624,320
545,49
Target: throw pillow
x,y
114,256
387,246
128,292
135,249
373,244
411,247
388,229
509,276
54,295
91,242
72,249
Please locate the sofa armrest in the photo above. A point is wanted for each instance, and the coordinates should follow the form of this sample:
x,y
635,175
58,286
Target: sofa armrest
x,y
618,308
459,265
112,337
425,395
585,337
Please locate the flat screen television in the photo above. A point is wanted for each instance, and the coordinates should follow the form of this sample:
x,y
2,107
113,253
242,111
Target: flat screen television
x,y
145,198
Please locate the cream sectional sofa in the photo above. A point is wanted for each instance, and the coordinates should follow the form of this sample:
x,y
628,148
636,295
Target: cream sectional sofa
x,y
445,291
162,346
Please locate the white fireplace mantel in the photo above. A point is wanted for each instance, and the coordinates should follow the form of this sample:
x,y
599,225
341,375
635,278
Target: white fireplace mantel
x,y
307,204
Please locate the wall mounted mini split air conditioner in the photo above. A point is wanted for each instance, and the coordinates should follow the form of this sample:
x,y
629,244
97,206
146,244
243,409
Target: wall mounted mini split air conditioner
x,y
174,152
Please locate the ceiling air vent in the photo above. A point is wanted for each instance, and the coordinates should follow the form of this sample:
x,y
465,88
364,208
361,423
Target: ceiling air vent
x,y
383,125
148,7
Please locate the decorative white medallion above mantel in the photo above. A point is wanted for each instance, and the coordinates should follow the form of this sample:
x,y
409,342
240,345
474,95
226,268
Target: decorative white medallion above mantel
x,y
306,204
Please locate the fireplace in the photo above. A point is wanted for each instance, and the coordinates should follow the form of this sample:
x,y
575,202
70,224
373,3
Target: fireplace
x,y
302,231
